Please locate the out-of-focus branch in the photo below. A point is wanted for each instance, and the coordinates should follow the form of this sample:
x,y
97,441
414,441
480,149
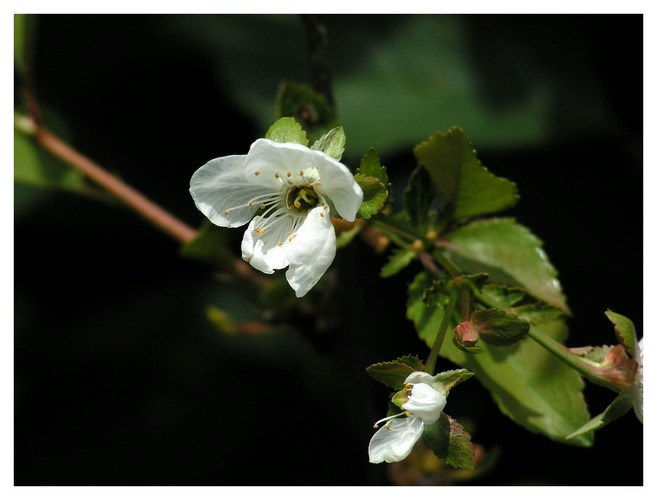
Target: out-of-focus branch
x,y
319,65
132,198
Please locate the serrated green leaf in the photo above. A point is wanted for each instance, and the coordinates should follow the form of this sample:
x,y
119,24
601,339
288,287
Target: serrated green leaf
x,y
307,107
391,373
457,174
332,143
375,195
450,442
412,361
625,331
370,165
510,253
538,312
504,296
618,407
398,260
529,385
287,129
499,328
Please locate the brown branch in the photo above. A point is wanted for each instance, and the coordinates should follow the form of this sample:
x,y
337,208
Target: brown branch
x,y
319,65
132,198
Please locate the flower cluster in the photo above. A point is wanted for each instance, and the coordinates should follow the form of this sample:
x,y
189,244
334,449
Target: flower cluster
x,y
422,404
287,191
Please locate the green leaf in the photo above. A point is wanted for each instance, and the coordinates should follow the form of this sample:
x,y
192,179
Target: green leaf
x,y
499,328
375,195
332,143
450,442
370,165
221,320
398,260
306,106
625,331
510,254
394,373
287,129
618,407
458,175
418,196
503,296
529,385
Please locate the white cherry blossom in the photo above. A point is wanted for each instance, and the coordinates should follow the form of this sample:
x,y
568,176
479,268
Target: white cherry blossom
x,y
423,404
285,192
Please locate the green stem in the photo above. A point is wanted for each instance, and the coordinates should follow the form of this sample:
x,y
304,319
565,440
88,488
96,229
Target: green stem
x,y
430,365
388,224
575,362
447,264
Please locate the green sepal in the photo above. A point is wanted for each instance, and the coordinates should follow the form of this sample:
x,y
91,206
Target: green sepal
x,y
450,442
418,197
618,407
307,107
444,381
497,327
287,129
394,373
370,164
459,338
510,253
398,260
456,173
625,331
375,195
332,143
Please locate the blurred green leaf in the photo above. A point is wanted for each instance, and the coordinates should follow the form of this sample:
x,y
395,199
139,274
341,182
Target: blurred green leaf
x,y
332,143
36,167
510,253
450,442
287,129
398,260
208,246
457,174
306,106
418,196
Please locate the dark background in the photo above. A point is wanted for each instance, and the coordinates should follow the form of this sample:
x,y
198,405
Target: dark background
x,y
119,377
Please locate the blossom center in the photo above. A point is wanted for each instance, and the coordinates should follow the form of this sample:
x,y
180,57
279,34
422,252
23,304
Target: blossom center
x,y
301,198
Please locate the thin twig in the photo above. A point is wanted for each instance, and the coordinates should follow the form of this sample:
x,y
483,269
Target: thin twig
x,y
134,199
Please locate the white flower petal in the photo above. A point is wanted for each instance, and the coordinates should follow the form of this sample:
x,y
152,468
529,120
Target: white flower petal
x,y
394,441
425,402
638,393
338,184
220,186
268,250
269,159
311,251
419,377
268,162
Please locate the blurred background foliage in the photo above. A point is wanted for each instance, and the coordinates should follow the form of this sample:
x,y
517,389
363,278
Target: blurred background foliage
x,y
121,379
